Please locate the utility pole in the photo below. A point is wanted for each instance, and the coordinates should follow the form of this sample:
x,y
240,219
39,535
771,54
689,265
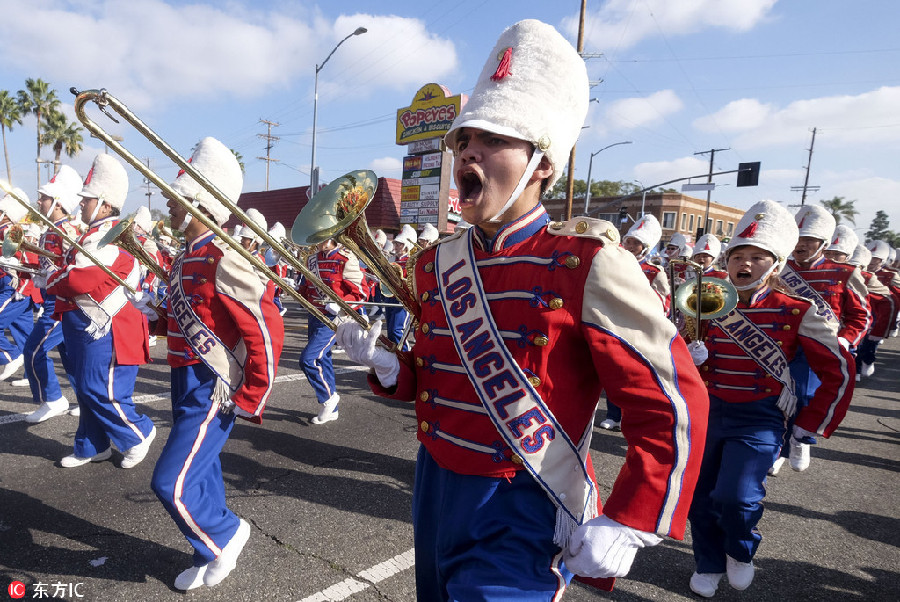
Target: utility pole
x,y
570,181
269,138
149,192
712,155
806,185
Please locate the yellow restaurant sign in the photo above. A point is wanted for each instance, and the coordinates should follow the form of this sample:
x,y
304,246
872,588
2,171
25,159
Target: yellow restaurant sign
x,y
430,114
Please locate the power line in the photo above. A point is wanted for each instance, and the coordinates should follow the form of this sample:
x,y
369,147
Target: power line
x,y
269,138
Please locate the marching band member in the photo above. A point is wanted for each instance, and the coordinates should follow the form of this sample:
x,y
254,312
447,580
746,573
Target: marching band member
x,y
884,308
677,248
105,336
15,306
339,269
428,235
838,292
225,340
277,263
250,240
57,201
881,267
523,322
706,252
747,413
150,283
397,317
27,290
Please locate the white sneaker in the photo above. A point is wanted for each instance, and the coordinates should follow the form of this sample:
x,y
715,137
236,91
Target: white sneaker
x,y
283,310
73,460
152,343
705,584
799,455
191,578
328,411
48,410
867,369
611,425
12,367
219,568
740,574
134,455
75,411
776,466
857,377
22,382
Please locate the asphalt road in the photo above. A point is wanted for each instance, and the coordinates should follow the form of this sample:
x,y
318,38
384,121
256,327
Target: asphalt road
x,y
329,505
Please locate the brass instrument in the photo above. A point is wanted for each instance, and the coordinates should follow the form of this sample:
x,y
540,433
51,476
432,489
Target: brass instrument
x,y
15,241
17,267
106,101
122,235
702,299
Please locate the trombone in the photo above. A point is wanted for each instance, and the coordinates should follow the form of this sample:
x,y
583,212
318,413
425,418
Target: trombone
x,y
15,241
106,101
122,235
701,299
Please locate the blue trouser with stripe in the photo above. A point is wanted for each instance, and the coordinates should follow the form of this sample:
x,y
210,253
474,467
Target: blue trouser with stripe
x,y
188,475
104,389
15,316
805,385
482,538
742,441
397,318
315,360
46,334
866,354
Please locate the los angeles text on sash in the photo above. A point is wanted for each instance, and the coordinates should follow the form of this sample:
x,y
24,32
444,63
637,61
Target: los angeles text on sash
x,y
801,288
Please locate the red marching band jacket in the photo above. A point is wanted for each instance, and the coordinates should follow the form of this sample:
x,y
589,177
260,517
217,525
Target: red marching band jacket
x,y
882,304
339,269
235,302
658,280
578,317
891,279
733,376
842,287
24,287
80,279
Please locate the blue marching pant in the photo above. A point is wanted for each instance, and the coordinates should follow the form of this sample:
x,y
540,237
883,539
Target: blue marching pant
x,y
866,354
315,360
188,475
484,539
15,316
104,389
805,385
742,442
613,412
397,319
46,334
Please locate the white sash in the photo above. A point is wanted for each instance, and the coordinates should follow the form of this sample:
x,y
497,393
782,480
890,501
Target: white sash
x,y
518,412
203,342
801,288
765,351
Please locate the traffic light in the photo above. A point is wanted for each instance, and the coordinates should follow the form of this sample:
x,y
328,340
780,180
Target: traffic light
x,y
748,174
623,215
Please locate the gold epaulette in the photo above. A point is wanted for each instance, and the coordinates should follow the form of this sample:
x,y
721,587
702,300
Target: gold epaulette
x,y
586,227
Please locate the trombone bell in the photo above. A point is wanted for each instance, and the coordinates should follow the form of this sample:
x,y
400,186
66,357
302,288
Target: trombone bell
x,y
122,236
717,298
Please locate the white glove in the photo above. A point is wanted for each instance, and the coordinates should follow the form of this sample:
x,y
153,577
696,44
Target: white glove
x,y
332,308
144,304
787,402
699,352
136,297
844,343
603,547
360,347
40,279
801,433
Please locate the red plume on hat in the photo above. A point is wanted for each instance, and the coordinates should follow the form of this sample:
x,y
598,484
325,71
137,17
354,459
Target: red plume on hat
x,y
90,174
749,231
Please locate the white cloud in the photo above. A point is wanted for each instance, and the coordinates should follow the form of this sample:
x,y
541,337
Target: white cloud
x,y
387,167
630,113
870,193
663,171
624,23
151,52
866,118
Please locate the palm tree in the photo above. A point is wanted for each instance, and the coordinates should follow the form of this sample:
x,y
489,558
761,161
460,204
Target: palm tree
x,y
61,134
10,115
841,209
38,98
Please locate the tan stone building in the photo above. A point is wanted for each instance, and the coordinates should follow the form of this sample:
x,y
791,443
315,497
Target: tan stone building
x,y
676,212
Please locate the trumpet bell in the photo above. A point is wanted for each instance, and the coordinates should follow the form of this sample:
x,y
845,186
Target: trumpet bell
x,y
717,297
334,208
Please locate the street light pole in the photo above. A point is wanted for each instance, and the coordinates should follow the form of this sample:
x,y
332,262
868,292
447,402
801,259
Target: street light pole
x,y
313,181
587,194
643,196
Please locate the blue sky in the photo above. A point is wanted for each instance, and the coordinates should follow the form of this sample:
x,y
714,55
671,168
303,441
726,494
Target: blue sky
x,y
678,77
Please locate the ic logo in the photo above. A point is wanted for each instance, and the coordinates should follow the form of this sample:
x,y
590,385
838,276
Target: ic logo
x,y
16,590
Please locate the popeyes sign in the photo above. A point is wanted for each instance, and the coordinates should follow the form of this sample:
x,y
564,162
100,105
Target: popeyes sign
x,y
430,114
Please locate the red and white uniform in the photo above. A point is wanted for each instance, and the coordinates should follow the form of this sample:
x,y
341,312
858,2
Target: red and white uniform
x,y
891,279
882,304
658,280
842,287
339,269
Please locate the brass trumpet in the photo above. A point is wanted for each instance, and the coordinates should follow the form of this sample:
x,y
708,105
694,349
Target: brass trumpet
x,y
106,101
14,241
702,299
122,235
16,267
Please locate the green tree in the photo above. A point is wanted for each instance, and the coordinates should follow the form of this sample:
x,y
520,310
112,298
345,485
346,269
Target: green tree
x,y
599,188
878,230
61,134
39,99
841,209
10,115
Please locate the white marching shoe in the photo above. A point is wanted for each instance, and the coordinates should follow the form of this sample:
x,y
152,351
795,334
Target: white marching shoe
x,y
22,382
72,461
48,410
219,568
12,367
867,369
799,455
190,579
75,411
740,574
706,584
328,411
776,466
611,425
134,455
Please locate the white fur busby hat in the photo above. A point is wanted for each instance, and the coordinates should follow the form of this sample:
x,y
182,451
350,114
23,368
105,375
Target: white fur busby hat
x,y
769,226
533,87
708,244
64,188
647,230
32,231
278,231
380,237
12,208
815,221
844,240
107,181
429,234
387,247
880,249
143,220
678,240
407,236
861,257
218,165
257,218
892,255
